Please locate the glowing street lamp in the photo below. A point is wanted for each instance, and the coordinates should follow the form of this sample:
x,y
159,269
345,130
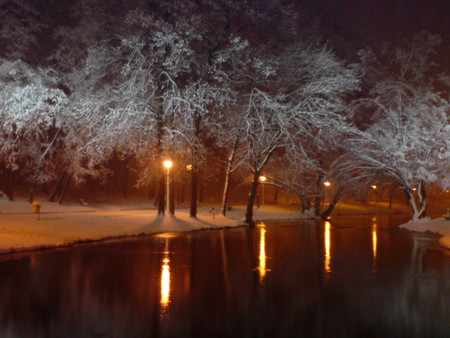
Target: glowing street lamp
x,y
327,184
168,164
262,179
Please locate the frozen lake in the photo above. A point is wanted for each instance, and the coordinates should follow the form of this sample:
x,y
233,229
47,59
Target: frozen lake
x,y
358,276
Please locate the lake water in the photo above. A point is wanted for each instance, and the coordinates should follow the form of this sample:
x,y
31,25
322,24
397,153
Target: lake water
x,y
349,277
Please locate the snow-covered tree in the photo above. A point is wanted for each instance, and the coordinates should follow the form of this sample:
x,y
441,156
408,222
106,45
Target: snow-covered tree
x,y
31,107
311,85
408,137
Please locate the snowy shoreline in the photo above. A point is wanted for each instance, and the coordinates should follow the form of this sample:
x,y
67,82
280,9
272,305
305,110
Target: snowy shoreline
x,y
62,226
439,226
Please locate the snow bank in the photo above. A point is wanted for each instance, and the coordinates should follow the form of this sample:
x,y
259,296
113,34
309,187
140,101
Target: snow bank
x,y
439,226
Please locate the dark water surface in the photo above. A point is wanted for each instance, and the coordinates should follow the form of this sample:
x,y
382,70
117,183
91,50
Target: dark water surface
x,y
358,276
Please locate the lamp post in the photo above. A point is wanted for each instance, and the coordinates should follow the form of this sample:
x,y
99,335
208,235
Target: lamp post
x,y
262,180
327,184
168,164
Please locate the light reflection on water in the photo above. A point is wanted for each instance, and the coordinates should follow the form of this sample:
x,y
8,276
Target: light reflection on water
x,y
374,243
327,240
378,281
262,252
165,280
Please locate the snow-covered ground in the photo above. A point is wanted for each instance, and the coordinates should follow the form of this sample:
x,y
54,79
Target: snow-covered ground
x,y
440,226
62,225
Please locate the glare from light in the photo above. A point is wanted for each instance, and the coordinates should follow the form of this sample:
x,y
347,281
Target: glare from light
x,y
374,187
262,178
327,183
168,164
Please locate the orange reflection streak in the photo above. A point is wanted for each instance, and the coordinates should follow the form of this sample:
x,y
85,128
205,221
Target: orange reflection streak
x,y
165,278
327,239
374,239
165,281
262,253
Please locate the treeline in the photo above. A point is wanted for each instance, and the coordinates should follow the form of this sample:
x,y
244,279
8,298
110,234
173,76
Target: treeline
x,y
224,87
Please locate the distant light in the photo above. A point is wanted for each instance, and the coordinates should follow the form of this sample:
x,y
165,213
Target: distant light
x,y
374,187
168,164
262,178
327,183
414,189
189,167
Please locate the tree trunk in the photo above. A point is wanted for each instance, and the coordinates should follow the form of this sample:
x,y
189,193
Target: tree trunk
x,y
161,189
57,187
318,198
172,196
251,199
197,122
227,181
161,194
32,191
306,204
422,195
64,189
193,208
228,172
419,208
225,192
332,204
7,183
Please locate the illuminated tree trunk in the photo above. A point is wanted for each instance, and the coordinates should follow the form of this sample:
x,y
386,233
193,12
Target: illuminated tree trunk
x,y
227,177
332,204
419,205
251,199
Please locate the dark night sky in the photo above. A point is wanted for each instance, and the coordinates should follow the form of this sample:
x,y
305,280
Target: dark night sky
x,y
387,18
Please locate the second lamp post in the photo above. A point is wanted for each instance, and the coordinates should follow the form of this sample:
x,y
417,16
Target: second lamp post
x,y
168,164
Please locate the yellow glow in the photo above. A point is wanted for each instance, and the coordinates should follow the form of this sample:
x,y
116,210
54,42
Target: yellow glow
x,y
327,183
374,238
262,178
374,187
414,189
189,167
165,281
168,164
327,240
262,253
